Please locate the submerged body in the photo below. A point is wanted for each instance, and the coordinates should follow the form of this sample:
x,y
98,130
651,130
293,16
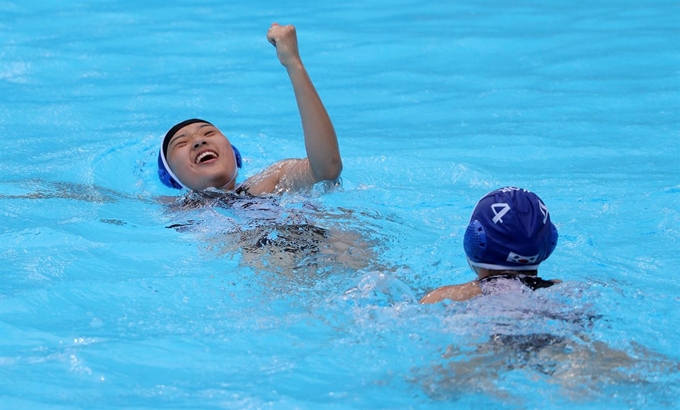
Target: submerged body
x,y
270,236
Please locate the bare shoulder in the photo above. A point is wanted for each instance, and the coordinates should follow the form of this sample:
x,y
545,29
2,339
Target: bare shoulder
x,y
456,293
286,175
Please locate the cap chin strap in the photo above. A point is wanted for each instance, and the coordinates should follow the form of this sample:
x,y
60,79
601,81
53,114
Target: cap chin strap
x,y
235,170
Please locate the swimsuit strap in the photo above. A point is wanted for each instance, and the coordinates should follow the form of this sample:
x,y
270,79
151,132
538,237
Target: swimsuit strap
x,y
532,282
241,190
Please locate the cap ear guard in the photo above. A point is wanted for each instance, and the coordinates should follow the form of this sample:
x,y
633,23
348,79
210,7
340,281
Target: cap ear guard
x,y
237,154
553,240
474,242
165,176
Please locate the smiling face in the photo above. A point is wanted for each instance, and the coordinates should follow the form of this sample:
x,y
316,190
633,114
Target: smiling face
x,y
201,157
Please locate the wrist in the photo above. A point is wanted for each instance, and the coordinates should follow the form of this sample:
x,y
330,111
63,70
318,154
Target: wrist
x,y
294,65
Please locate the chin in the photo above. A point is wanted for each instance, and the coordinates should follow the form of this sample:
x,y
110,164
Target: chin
x,y
219,183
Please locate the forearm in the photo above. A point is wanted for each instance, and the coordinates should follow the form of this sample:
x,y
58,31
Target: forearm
x,y
321,142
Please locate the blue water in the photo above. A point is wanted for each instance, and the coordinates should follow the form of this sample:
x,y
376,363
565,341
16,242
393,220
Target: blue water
x,y
434,103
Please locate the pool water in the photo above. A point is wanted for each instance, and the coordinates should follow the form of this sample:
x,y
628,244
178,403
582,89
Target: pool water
x,y
435,104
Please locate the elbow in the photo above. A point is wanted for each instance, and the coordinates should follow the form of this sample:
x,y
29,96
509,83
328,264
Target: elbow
x,y
332,170
335,170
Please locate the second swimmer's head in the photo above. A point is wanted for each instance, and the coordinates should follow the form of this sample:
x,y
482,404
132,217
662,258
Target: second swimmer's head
x,y
510,229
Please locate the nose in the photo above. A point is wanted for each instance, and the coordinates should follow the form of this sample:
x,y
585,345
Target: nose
x,y
198,143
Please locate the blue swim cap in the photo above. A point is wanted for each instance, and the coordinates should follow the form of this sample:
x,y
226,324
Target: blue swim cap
x,y
165,174
510,228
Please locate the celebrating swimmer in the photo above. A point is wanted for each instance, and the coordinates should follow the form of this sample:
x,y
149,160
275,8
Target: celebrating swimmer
x,y
510,233
195,155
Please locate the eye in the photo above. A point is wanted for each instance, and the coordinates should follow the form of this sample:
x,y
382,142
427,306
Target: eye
x,y
178,143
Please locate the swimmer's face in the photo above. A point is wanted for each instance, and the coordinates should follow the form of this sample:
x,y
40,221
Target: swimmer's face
x,y
202,157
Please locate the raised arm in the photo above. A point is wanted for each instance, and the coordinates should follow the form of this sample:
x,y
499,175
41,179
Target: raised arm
x,y
323,161
321,142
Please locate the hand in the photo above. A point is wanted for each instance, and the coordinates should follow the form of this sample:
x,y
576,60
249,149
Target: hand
x,y
284,39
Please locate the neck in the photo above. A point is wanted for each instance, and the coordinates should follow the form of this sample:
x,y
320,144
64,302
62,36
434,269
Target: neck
x,y
485,273
229,186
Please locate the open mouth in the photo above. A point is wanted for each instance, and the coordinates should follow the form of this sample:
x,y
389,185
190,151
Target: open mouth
x,y
206,156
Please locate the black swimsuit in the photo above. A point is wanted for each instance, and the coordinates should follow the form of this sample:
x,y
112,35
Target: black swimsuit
x,y
521,344
530,281
260,220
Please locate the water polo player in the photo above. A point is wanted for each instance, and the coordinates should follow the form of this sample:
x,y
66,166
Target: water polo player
x,y
195,155
510,233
